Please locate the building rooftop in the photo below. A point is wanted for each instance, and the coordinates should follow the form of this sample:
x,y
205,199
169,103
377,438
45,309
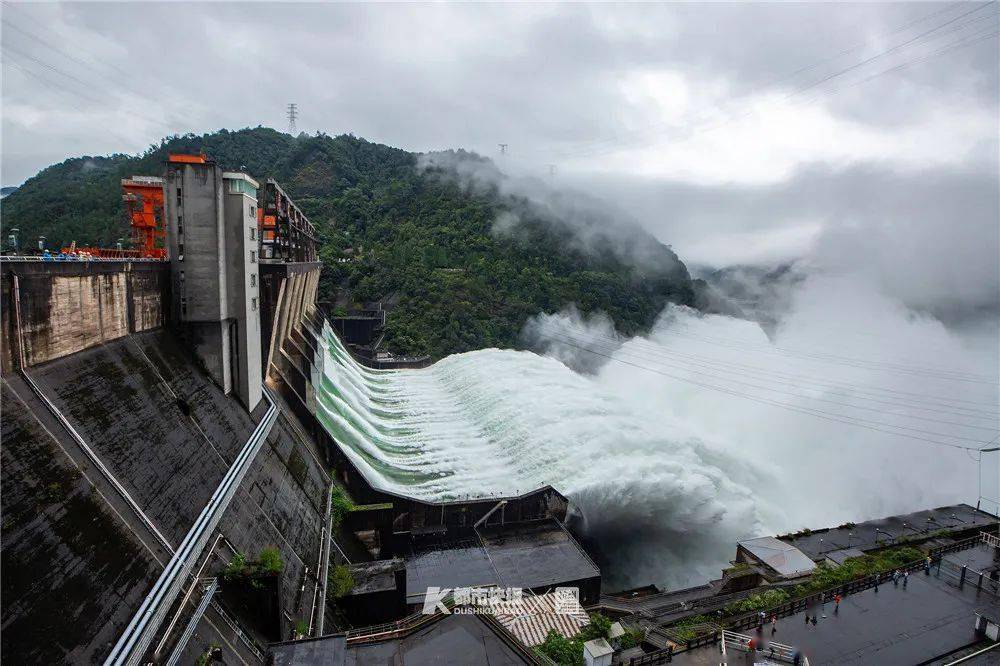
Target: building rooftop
x,y
842,555
239,175
863,536
528,555
598,648
537,554
983,558
377,576
531,619
449,568
455,639
783,558
928,618
329,650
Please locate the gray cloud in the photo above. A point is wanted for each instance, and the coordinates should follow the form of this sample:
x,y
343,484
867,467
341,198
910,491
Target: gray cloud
x,y
929,238
584,223
718,153
545,79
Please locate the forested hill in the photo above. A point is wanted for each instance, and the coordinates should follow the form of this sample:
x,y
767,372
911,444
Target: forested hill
x,y
461,263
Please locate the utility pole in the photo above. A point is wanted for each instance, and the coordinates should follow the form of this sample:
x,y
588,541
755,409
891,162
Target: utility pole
x,y
503,148
293,113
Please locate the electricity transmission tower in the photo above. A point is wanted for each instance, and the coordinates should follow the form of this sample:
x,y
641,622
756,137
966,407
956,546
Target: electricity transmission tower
x,y
503,148
552,169
293,113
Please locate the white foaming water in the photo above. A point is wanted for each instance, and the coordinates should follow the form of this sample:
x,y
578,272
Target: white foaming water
x,y
665,475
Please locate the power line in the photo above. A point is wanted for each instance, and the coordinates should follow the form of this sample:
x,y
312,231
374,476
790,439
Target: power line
x,y
967,40
12,6
55,87
725,378
797,92
895,48
727,367
119,80
860,364
122,77
827,416
936,400
824,357
615,143
86,84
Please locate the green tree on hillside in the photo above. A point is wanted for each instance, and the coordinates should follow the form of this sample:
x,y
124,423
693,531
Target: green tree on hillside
x,y
419,239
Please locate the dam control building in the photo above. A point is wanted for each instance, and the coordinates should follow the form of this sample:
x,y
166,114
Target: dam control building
x,y
214,247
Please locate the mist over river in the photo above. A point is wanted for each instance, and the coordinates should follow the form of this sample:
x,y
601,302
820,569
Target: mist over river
x,y
675,445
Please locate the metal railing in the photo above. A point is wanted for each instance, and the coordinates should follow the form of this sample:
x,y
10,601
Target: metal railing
x,y
973,655
136,638
385,630
97,462
966,576
206,599
679,634
664,656
773,650
68,259
964,544
793,606
249,642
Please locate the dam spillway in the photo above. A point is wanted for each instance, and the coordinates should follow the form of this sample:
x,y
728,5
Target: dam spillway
x,y
432,434
503,422
661,476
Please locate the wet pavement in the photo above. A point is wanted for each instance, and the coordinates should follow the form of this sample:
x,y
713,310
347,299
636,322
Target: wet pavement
x,y
896,625
982,558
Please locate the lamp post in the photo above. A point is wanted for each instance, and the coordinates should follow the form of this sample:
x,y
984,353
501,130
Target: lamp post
x,y
877,530
931,519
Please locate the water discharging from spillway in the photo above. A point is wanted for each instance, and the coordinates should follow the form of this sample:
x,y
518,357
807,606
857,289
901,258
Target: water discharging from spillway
x,y
662,476
502,422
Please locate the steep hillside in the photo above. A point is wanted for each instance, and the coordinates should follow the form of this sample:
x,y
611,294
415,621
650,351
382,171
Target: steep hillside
x,y
463,262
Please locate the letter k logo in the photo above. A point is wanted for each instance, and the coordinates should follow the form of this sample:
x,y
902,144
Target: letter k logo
x,y
434,600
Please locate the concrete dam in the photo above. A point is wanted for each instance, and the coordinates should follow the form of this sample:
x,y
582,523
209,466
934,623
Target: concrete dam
x,y
197,469
172,451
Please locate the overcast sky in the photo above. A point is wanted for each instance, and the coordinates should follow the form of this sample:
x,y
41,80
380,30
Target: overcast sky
x,y
735,132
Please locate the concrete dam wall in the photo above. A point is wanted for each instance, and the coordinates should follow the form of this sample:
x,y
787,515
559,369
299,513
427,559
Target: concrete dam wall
x,y
77,568
66,307
71,569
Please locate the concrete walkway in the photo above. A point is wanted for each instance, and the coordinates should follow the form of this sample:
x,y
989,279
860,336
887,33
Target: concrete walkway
x,y
896,625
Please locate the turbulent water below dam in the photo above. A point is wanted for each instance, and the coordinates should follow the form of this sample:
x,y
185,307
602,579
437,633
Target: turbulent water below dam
x,y
677,444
